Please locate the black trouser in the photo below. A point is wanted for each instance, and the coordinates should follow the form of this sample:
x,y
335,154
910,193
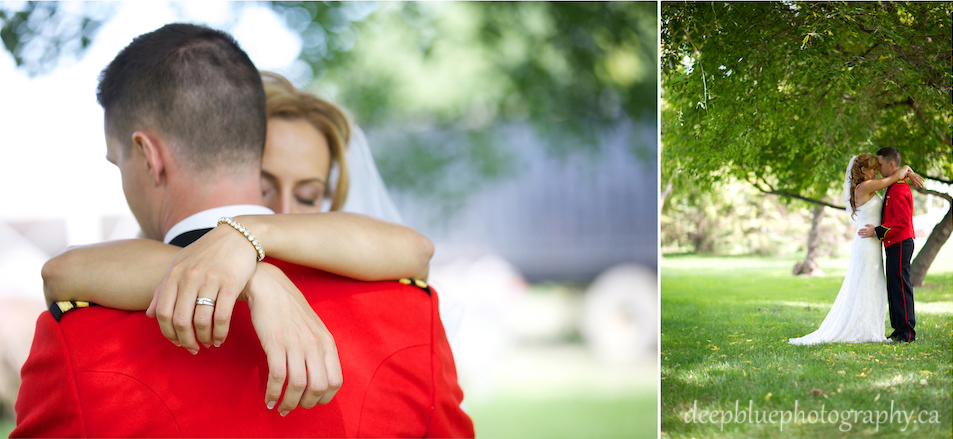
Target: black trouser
x,y
899,290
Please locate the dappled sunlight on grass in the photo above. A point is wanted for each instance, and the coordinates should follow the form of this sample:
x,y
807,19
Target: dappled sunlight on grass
x,y
935,308
724,340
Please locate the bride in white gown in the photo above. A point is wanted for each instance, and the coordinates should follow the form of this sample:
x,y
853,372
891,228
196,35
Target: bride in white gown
x,y
859,311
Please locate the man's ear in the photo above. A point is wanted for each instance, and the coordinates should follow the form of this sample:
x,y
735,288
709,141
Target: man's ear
x,y
154,153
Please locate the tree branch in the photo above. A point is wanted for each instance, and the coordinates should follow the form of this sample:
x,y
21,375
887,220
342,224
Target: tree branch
x,y
944,138
760,185
865,28
803,198
766,44
907,101
829,88
871,48
940,179
771,190
926,191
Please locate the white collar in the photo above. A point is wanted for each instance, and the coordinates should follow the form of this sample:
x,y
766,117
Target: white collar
x,y
209,218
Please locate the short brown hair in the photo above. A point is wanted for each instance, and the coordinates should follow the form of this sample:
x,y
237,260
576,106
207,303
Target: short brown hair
x,y
890,154
194,85
284,101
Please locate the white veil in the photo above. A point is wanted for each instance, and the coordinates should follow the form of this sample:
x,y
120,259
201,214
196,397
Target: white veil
x,y
367,193
846,194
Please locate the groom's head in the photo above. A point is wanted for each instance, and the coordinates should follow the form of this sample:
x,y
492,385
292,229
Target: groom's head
x,y
184,105
889,159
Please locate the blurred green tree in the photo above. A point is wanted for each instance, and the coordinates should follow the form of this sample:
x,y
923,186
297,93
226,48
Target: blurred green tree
x,y
449,76
737,219
40,34
782,94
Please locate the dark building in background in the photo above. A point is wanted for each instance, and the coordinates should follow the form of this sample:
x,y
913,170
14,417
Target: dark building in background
x,y
557,218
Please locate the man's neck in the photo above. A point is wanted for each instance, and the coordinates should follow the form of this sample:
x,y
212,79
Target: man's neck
x,y
186,200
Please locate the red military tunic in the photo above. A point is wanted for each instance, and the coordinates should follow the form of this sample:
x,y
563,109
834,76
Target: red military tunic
x,y
101,372
897,212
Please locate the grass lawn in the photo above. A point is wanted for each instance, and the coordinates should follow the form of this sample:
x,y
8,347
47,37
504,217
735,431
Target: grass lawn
x,y
634,416
563,391
725,324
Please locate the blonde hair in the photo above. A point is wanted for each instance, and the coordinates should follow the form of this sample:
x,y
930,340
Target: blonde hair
x,y
285,101
863,162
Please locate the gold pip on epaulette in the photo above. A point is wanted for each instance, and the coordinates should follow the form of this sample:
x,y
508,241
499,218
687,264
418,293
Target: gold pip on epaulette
x,y
60,308
417,283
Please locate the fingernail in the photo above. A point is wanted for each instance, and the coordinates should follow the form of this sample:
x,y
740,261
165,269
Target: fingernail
x,y
218,343
177,344
194,351
271,404
284,413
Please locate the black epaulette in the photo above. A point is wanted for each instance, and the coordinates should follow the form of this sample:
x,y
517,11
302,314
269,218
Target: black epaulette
x,y
60,308
417,283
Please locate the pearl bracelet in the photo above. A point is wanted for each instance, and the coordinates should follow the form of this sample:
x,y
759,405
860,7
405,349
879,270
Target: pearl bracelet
x,y
241,229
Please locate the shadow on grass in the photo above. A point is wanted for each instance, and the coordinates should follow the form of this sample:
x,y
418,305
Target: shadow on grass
x,y
724,340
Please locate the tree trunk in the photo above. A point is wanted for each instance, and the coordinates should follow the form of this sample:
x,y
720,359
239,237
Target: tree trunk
x,y
939,236
661,204
664,195
698,238
809,266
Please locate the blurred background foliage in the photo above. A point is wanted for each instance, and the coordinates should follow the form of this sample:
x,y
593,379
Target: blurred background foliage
x,y
737,219
446,76
43,35
734,218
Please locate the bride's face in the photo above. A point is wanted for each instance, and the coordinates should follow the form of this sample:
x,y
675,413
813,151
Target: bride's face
x,y
870,174
295,166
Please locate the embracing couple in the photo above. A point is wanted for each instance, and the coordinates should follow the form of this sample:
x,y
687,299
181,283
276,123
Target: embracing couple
x,y
857,315
263,329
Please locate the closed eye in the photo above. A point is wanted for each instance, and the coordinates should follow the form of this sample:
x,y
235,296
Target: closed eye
x,y
309,202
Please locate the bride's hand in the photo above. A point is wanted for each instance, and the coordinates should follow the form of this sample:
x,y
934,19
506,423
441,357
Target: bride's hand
x,y
915,179
297,344
217,266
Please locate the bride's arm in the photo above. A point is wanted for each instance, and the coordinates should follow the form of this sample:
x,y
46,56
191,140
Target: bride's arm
x,y
347,244
124,274
870,186
117,274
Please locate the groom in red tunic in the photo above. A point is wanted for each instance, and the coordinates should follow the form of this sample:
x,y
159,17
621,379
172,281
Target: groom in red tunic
x,y
99,372
896,232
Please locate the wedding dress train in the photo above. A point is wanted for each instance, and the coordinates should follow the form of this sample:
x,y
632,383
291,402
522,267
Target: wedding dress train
x,y
860,309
